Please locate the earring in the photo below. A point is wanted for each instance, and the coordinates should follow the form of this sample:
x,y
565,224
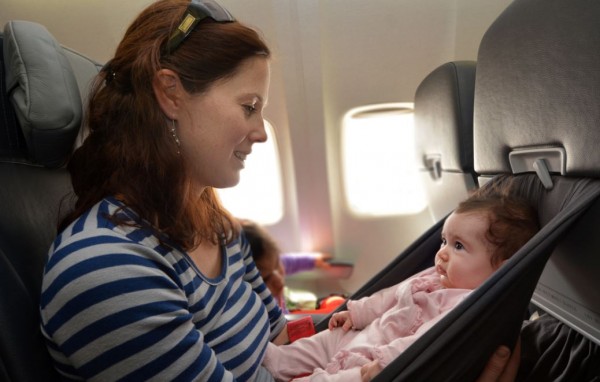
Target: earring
x,y
174,134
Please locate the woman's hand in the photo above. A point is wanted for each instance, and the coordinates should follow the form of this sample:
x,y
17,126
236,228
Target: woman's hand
x,y
282,338
502,365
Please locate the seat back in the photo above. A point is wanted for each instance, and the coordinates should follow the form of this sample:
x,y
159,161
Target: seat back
x,y
41,113
537,110
536,118
444,135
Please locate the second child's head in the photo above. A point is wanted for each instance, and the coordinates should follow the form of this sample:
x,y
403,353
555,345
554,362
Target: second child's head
x,y
479,236
265,253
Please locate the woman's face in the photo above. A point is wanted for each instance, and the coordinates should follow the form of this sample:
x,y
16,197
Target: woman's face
x,y
218,128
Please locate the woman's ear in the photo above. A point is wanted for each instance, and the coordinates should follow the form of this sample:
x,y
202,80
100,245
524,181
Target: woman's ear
x,y
168,90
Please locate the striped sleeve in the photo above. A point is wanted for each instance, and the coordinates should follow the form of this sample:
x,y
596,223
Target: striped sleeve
x,y
113,309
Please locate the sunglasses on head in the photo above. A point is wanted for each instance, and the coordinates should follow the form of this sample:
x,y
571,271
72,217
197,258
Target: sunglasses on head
x,y
197,11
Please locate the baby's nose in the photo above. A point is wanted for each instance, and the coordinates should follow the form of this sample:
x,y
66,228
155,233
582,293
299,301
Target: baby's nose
x,y
442,255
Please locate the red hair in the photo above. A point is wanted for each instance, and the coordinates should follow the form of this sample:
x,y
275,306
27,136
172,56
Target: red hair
x,y
130,152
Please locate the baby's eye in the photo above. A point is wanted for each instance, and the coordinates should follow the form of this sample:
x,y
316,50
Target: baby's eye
x,y
458,245
443,242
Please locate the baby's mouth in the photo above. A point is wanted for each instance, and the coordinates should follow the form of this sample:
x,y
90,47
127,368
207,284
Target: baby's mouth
x,y
441,271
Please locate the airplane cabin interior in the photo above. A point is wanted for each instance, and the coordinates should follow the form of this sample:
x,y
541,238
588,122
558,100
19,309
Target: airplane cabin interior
x,y
496,93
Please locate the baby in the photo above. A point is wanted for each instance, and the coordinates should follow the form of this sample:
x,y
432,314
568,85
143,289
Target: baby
x,y
477,238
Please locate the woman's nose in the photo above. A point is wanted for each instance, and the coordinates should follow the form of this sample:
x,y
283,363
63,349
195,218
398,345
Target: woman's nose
x,y
259,133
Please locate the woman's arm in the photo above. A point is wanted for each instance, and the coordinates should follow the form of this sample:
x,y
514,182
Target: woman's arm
x,y
116,310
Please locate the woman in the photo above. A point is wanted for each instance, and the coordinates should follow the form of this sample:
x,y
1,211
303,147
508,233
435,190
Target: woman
x,y
149,277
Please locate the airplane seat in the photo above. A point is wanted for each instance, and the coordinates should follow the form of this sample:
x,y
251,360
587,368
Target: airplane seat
x,y
537,112
535,135
444,135
444,148
40,117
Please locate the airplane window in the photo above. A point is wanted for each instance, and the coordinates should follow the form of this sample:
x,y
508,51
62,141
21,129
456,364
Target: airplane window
x,y
379,166
259,195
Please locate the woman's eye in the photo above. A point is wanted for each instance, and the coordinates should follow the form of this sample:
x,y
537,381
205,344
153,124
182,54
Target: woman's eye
x,y
250,109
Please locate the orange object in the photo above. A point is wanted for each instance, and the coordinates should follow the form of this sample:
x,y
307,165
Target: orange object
x,y
331,303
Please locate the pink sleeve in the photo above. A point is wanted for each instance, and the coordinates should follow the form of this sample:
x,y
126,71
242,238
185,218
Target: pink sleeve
x,y
365,310
434,306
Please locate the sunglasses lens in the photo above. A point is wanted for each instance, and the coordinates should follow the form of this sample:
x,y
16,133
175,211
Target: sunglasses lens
x,y
213,10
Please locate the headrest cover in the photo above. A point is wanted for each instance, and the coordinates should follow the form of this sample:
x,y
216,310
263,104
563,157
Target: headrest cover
x,y
538,85
43,91
444,116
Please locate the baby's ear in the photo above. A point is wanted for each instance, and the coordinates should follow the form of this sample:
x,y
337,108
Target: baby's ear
x,y
501,263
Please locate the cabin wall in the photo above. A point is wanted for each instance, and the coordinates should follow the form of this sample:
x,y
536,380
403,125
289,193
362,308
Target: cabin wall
x,y
329,56
336,56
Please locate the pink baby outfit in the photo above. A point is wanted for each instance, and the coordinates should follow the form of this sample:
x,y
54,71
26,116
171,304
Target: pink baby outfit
x,y
386,324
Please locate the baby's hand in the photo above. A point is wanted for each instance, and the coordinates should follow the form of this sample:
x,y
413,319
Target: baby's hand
x,y
341,319
369,371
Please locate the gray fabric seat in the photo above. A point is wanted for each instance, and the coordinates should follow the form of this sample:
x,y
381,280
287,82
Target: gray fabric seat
x,y
538,111
444,135
40,118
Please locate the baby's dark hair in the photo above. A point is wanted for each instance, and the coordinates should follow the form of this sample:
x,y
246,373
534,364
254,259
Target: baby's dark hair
x,y
512,222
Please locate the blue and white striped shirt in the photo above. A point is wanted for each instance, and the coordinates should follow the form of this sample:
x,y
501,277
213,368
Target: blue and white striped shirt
x,y
118,305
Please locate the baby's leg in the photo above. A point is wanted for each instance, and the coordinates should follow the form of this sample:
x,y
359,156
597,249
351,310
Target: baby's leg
x,y
304,355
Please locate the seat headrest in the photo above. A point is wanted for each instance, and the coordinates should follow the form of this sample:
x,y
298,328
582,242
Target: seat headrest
x,y
444,117
43,91
537,89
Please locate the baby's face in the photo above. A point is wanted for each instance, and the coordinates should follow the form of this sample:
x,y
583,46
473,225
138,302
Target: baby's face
x,y
464,258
